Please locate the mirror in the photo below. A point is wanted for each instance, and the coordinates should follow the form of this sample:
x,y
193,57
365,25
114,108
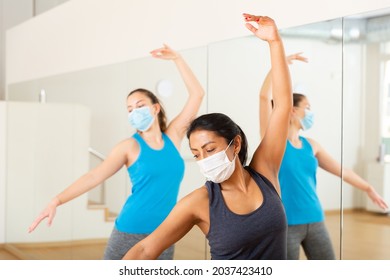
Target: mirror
x,y
366,145
82,226
320,80
345,81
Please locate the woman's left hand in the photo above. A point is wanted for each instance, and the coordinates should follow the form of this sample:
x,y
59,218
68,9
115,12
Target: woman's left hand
x,y
165,53
377,199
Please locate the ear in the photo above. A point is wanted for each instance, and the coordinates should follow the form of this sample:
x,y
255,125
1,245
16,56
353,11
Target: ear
x,y
293,112
237,144
156,107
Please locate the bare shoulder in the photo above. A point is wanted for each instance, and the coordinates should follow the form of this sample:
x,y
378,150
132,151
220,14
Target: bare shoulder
x,y
202,193
128,147
199,195
128,144
197,202
314,144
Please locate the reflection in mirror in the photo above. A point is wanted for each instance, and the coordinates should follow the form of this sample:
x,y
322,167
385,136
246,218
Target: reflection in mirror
x,y
83,117
237,69
320,80
366,117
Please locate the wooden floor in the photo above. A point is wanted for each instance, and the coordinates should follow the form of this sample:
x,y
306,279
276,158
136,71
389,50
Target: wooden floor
x,y
366,236
191,247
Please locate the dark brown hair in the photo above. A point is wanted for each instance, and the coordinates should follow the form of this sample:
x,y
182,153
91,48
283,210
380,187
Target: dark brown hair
x,y
297,98
162,118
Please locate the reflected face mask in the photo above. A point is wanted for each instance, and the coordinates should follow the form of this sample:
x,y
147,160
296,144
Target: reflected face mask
x,y
308,120
141,118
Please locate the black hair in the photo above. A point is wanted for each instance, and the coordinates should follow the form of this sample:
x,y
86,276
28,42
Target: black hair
x,y
222,126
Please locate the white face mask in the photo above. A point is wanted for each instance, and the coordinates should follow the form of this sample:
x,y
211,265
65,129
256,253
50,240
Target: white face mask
x,y
218,167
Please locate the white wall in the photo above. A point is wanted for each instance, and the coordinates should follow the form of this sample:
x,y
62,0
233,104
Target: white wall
x,y
48,147
3,122
42,6
2,53
12,12
354,119
89,33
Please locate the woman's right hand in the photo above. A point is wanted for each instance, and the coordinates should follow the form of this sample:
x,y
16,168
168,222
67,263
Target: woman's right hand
x,y
49,212
376,198
266,30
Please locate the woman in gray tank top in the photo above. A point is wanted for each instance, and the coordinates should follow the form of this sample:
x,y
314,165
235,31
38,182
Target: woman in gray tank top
x,y
239,207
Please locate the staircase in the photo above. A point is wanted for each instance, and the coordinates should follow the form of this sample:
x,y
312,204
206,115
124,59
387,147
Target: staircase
x,y
97,197
108,215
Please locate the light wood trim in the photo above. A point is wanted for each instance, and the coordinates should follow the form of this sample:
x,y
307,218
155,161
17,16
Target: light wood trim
x,y
17,253
59,243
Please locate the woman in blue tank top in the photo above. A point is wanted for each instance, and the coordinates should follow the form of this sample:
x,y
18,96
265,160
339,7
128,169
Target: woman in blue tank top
x,y
153,162
239,208
297,178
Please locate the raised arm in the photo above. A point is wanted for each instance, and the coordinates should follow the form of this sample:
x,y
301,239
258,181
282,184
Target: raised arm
x,y
116,159
265,95
328,163
269,154
177,127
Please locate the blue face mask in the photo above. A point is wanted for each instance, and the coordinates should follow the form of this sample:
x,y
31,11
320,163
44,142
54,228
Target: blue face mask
x,y
141,118
307,121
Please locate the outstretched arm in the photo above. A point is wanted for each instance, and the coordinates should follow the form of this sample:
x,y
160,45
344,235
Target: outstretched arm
x,y
265,95
107,168
268,156
177,128
328,163
178,223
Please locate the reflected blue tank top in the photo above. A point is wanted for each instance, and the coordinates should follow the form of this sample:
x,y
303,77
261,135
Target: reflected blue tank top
x,y
155,176
298,183
261,234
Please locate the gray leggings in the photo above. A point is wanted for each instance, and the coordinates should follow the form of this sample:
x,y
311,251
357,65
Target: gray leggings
x,y
314,239
120,242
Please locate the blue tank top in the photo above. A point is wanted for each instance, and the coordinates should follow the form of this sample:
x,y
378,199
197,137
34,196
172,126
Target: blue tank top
x,y
261,234
155,176
298,183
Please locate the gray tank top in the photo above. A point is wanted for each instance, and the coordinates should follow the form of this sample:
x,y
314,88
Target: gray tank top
x,y
259,235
